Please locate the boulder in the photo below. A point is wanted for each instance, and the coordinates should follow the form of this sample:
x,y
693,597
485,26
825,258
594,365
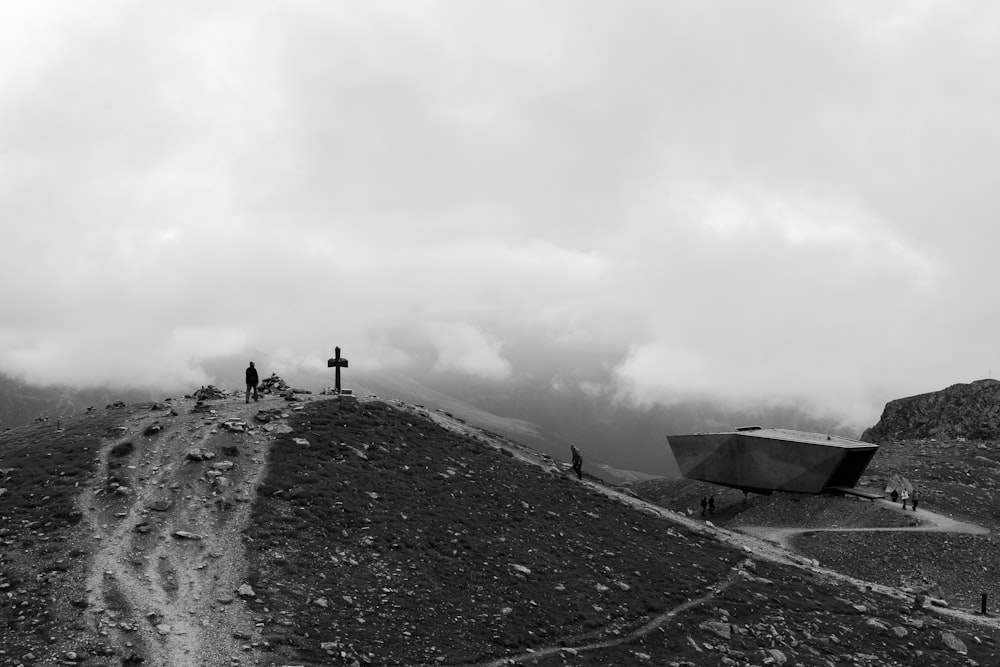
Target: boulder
x,y
721,630
954,643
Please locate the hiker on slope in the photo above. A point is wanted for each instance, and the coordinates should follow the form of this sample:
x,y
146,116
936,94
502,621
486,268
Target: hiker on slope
x,y
577,462
252,381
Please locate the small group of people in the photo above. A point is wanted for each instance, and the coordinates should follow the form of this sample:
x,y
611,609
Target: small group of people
x,y
707,503
906,497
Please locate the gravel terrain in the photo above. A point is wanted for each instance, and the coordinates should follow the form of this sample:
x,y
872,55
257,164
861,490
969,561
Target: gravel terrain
x,y
367,532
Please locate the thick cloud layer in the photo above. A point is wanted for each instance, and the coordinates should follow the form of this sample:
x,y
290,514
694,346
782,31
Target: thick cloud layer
x,y
749,201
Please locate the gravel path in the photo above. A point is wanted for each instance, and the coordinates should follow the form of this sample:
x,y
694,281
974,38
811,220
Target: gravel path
x,y
164,581
929,522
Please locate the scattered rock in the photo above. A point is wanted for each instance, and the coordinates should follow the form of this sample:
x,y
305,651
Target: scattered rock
x,y
776,656
198,454
153,428
876,623
722,630
954,643
185,535
209,393
269,415
235,425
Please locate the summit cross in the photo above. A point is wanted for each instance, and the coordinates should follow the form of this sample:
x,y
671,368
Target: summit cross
x,y
337,363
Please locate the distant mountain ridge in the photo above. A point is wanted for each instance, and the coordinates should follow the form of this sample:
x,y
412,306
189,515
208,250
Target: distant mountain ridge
x,y
970,411
22,403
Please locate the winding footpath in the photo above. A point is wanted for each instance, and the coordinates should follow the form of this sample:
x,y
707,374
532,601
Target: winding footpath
x,y
930,522
737,572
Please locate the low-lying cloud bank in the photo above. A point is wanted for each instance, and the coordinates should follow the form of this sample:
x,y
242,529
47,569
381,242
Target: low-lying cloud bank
x,y
659,203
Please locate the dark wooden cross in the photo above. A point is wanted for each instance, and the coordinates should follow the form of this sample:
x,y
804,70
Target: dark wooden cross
x,y
337,363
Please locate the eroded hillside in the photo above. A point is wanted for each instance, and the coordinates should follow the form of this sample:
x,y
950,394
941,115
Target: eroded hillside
x,y
367,532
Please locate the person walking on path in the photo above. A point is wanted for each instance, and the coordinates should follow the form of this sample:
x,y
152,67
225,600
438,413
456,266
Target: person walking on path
x,y
711,505
577,462
905,496
914,499
704,505
252,381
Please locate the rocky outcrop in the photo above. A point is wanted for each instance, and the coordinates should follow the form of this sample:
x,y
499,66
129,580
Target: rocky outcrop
x,y
970,411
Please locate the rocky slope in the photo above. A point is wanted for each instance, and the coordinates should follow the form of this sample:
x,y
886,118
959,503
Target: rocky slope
x,y
970,411
343,532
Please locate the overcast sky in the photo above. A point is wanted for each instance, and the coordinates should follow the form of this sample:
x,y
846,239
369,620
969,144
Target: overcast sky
x,y
749,200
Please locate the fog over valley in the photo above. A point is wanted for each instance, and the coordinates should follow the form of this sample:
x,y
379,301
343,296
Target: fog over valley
x,y
615,221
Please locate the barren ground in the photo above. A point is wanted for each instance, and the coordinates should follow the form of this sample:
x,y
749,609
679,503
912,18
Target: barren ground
x,y
373,533
170,556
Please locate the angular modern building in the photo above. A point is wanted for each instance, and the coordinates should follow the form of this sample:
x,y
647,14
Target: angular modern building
x,y
763,460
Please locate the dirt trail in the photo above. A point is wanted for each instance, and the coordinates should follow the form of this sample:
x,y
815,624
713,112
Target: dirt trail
x,y
163,583
741,570
930,522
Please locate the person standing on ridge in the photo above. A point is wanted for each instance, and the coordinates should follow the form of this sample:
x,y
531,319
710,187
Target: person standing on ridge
x,y
252,381
704,505
577,462
711,504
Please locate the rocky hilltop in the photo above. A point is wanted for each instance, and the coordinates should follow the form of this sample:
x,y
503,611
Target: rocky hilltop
x,y
299,530
970,411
